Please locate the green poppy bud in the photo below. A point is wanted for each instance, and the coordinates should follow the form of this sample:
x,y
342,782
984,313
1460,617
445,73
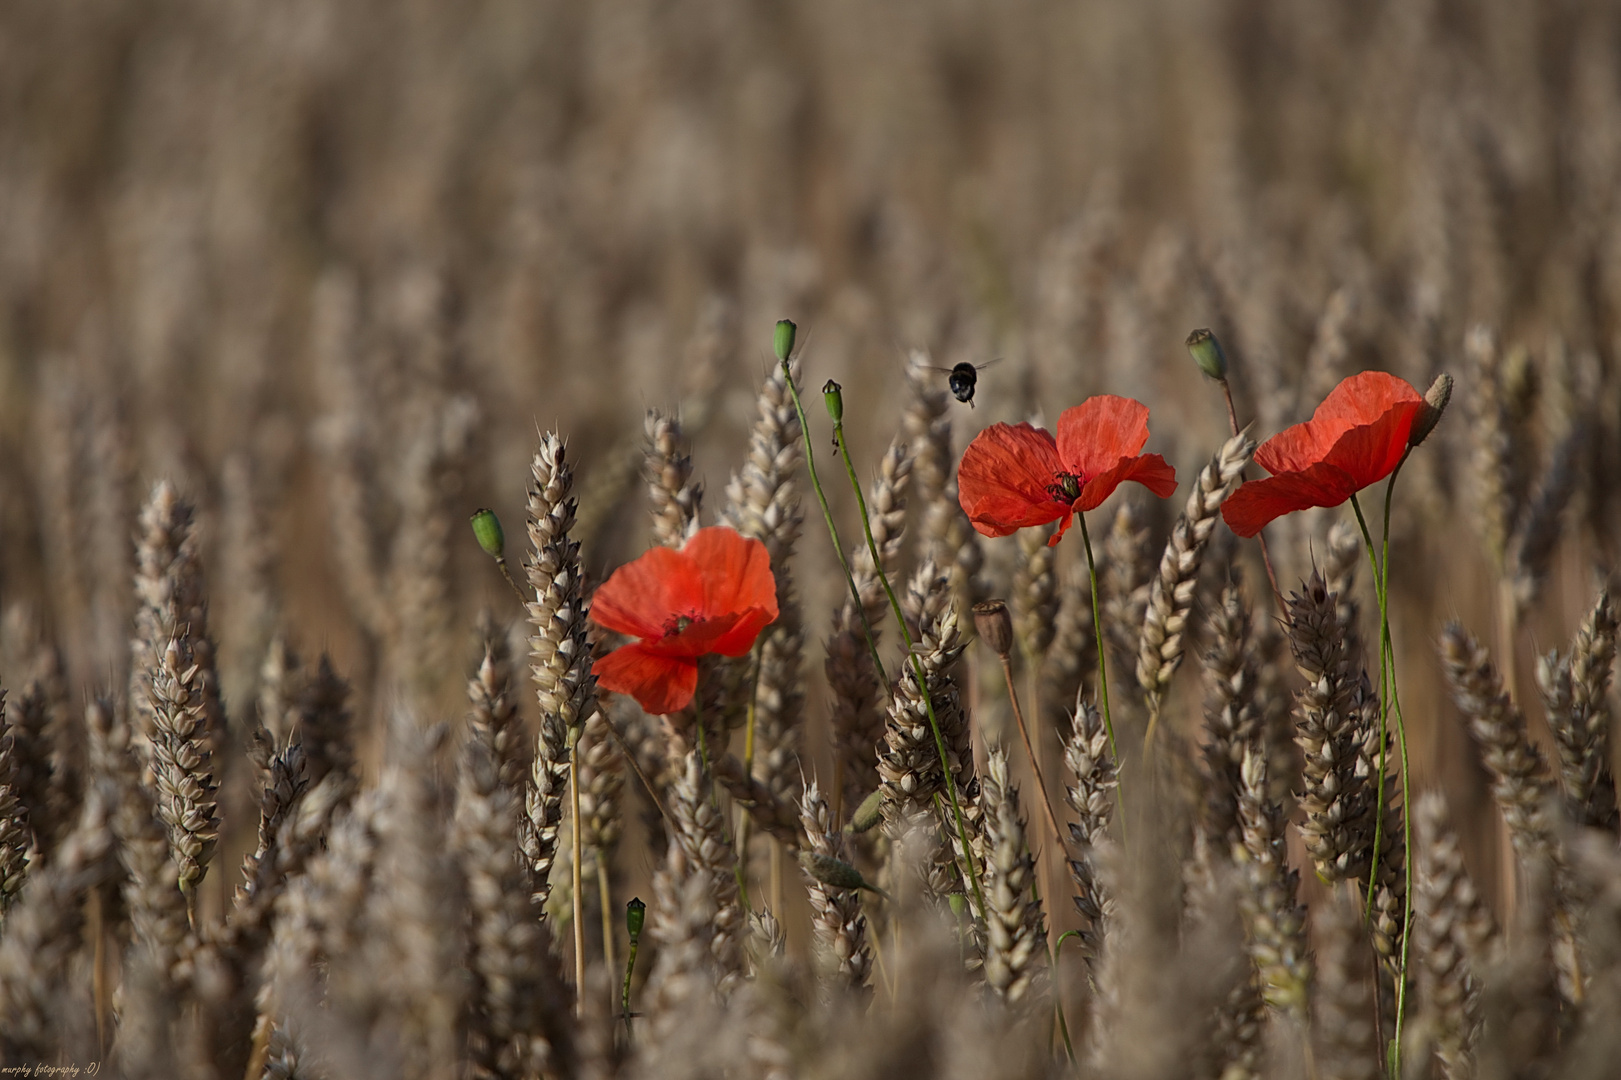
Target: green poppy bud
x,y
958,904
1435,403
869,813
833,394
635,917
487,528
1206,352
784,339
831,871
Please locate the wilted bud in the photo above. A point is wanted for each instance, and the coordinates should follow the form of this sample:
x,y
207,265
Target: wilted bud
x,y
868,814
487,527
784,339
1206,352
833,394
995,626
1435,403
831,871
635,917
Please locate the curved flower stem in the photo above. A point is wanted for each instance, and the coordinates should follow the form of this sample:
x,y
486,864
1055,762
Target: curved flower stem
x,y
1389,695
833,531
1103,670
894,606
1029,749
1266,554
748,770
1097,635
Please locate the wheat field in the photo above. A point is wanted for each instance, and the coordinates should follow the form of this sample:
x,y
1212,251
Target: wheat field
x,y
297,781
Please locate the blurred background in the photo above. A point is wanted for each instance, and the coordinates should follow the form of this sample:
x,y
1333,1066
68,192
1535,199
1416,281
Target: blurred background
x,y
331,265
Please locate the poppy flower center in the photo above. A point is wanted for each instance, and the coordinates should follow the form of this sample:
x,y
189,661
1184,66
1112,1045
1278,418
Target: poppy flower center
x,y
678,624
1067,489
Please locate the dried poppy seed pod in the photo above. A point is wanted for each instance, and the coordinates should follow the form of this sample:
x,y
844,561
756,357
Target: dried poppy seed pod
x,y
635,917
487,528
783,341
833,394
995,626
1206,352
1435,403
868,814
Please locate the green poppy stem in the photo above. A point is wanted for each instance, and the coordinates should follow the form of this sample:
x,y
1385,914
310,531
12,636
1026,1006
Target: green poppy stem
x,y
906,636
1103,669
748,770
1097,635
1389,695
833,531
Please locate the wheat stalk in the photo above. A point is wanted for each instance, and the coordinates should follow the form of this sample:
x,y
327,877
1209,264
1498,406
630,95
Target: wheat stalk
x,y
1454,934
1095,778
1520,780
1348,1045
1170,598
838,926
1575,692
182,763
1335,792
675,496
1274,919
1015,929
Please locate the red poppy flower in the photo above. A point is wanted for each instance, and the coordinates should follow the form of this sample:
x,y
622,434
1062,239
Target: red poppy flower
x,y
715,595
1356,437
1015,476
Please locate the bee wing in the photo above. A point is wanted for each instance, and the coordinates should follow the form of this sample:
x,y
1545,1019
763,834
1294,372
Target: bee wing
x,y
988,363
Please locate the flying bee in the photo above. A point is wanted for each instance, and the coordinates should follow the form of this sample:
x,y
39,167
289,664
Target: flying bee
x,y
963,378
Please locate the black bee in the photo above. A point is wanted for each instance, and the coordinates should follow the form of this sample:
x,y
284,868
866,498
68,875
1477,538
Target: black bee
x,y
963,378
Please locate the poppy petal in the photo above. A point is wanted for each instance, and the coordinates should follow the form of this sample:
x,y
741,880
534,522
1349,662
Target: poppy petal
x,y
740,638
1063,527
642,596
696,639
735,569
660,684
1248,510
1094,435
1371,452
1003,478
1149,470
1357,400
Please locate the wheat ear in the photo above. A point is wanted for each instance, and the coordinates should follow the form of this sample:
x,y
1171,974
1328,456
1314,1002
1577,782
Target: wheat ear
x,y
1170,598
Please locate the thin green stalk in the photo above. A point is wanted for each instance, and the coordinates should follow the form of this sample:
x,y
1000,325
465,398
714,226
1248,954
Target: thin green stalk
x,y
1390,695
827,516
1103,669
1097,635
748,770
900,621
1384,705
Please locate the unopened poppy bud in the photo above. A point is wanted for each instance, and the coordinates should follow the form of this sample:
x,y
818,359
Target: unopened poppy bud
x,y
831,871
958,904
833,394
784,339
1206,352
487,528
995,626
868,814
635,917
1435,403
